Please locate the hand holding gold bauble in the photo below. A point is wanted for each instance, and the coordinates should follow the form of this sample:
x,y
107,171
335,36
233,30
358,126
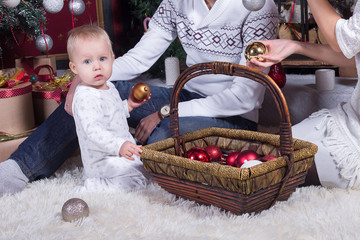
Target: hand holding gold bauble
x,y
254,49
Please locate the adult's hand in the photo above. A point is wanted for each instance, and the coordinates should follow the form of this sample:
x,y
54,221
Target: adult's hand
x,y
70,95
278,50
146,127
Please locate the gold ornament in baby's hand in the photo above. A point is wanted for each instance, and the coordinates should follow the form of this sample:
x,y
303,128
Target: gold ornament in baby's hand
x,y
140,92
255,49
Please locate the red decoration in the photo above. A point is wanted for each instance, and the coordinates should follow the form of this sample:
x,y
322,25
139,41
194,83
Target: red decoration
x,y
278,75
246,155
214,152
198,153
268,158
231,158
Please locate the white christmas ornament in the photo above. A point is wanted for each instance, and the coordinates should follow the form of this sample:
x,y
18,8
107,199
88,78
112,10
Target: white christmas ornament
x,y
10,3
251,163
253,5
53,6
77,7
74,209
41,44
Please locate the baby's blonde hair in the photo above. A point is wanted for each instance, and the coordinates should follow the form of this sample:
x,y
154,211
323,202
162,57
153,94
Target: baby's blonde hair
x,y
89,31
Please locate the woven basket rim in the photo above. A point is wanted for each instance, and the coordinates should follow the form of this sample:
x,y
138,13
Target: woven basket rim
x,y
302,150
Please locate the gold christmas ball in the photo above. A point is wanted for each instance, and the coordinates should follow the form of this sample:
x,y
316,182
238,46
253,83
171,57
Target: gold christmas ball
x,y
141,91
255,49
74,209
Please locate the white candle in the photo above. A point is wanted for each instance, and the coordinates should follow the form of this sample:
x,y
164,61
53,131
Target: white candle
x,y
325,79
172,70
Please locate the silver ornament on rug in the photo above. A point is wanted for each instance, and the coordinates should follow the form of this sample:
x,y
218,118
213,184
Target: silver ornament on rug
x,y
76,7
41,44
74,209
10,3
253,5
53,6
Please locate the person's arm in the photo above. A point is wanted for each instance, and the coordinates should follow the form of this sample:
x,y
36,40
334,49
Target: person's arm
x,y
244,95
147,51
280,49
326,19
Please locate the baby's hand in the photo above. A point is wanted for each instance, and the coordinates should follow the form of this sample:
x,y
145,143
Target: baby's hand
x,y
128,149
134,104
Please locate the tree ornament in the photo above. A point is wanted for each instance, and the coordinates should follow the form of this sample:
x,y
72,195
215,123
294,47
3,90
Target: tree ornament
x,y
10,3
231,158
140,92
214,152
53,6
244,156
254,49
198,153
251,163
277,73
253,5
42,41
74,209
76,7
267,158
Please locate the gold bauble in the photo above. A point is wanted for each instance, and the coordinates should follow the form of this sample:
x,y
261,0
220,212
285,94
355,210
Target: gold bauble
x,y
74,209
255,49
141,91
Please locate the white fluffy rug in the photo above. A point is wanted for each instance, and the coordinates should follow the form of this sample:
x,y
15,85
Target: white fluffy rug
x,y
152,213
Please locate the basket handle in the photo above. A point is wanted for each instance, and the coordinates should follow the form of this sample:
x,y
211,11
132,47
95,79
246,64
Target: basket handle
x,y
286,141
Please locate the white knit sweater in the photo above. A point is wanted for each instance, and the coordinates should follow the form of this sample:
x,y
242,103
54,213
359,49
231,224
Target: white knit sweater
x,y
219,34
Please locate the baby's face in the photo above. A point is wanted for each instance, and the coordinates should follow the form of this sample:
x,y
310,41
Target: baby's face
x,y
92,61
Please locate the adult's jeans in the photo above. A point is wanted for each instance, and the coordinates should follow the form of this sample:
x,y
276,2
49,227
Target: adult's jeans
x,y
55,140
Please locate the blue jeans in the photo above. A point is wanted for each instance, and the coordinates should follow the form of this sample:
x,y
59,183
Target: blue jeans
x,y
55,140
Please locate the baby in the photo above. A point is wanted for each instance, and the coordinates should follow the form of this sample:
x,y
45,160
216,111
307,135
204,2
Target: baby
x,y
109,152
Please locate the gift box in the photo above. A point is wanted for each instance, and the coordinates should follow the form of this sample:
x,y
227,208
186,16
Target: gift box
x,y
31,63
16,107
48,95
45,102
8,147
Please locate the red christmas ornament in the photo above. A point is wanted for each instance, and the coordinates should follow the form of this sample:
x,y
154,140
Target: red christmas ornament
x,y
214,152
268,158
277,74
231,158
198,153
246,155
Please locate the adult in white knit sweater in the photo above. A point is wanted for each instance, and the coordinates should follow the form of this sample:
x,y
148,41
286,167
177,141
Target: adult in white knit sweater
x,y
209,30
335,131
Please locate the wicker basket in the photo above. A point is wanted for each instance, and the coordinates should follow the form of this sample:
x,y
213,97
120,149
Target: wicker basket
x,y
239,190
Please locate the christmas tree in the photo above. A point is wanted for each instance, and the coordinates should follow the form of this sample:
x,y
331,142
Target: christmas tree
x,y
146,8
19,18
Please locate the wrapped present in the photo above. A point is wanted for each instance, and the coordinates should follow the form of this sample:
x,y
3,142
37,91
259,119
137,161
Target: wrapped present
x,y
7,147
48,95
31,63
16,107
